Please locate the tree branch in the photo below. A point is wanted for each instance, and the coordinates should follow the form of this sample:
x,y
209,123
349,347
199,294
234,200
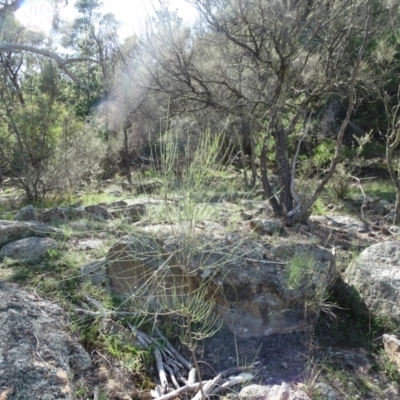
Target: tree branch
x,y
61,62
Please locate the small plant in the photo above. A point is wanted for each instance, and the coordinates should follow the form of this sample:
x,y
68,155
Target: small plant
x,y
300,268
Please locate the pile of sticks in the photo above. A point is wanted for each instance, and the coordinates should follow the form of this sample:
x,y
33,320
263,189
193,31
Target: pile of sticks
x,y
177,376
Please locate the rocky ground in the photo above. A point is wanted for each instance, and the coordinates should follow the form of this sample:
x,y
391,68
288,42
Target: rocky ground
x,y
285,323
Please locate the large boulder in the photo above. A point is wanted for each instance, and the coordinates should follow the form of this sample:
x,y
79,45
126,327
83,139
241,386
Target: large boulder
x,y
28,250
257,292
38,358
25,214
375,276
10,231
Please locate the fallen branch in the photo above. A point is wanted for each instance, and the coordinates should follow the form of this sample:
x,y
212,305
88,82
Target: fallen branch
x,y
207,388
161,371
232,381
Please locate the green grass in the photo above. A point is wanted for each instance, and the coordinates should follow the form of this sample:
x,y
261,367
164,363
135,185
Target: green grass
x,y
383,189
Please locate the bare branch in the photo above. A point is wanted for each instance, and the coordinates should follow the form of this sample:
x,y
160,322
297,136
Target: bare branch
x,y
61,62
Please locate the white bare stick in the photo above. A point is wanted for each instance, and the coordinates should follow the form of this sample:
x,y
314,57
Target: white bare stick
x,y
172,349
232,381
161,370
172,376
192,376
178,392
208,388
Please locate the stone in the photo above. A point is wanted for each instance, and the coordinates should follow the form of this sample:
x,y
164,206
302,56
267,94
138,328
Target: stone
x,y
133,212
28,250
267,226
248,282
95,272
132,262
98,212
10,231
375,276
25,214
383,207
325,392
273,392
54,215
391,344
73,213
38,358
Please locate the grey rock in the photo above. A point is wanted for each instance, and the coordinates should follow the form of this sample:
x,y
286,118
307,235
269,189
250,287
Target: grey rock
x,y
25,214
391,344
249,283
267,226
10,231
375,276
325,391
95,272
98,212
133,212
383,207
38,358
73,213
274,392
54,215
28,250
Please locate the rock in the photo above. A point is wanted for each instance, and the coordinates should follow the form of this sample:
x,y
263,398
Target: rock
x,y
38,359
267,226
26,214
89,244
73,213
95,272
391,344
147,187
356,360
375,276
133,212
324,391
98,212
383,207
55,214
274,392
10,231
132,261
344,222
249,283
28,250
118,204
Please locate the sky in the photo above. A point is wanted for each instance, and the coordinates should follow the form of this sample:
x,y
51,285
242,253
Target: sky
x,y
38,14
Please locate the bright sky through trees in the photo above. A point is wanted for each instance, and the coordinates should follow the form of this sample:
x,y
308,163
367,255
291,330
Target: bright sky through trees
x,y
38,14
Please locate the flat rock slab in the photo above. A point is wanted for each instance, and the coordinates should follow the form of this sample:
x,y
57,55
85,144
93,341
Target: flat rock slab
x,y
375,276
38,359
28,250
10,231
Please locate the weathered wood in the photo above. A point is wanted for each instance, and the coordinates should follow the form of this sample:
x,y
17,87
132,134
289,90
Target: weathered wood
x,y
172,349
208,388
161,371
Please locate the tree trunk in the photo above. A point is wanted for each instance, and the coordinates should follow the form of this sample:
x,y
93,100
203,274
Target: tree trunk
x,y
127,158
265,180
284,170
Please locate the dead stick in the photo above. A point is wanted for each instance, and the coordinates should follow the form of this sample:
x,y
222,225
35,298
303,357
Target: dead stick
x,y
208,387
172,349
161,371
183,389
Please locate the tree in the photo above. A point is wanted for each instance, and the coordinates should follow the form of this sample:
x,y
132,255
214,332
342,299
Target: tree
x,y
274,63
